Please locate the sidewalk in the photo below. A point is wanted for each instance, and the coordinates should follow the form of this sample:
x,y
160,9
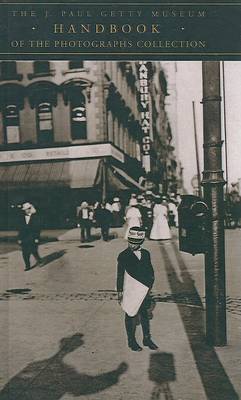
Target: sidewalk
x,y
63,334
46,235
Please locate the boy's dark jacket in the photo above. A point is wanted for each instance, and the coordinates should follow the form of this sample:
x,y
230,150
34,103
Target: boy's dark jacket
x,y
140,270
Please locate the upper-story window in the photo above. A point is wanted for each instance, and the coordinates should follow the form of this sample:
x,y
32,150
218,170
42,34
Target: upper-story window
x,y
78,116
76,64
41,67
45,123
8,68
11,124
8,71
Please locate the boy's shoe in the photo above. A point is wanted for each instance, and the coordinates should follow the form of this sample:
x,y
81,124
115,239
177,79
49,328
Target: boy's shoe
x,y
134,346
149,343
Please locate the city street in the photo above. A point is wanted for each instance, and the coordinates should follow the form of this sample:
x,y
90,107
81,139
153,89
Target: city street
x,y
62,329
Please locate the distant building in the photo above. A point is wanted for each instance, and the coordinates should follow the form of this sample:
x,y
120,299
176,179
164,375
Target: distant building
x,y
170,74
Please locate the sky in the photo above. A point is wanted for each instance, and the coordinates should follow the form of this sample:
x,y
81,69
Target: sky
x,y
188,83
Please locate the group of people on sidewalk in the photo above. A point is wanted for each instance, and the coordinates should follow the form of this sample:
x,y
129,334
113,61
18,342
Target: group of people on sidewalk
x,y
88,216
156,216
155,213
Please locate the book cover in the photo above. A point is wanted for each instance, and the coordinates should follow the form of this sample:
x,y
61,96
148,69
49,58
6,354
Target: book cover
x,y
109,107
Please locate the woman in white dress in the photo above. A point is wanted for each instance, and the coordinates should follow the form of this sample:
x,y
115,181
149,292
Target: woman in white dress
x,y
133,216
160,229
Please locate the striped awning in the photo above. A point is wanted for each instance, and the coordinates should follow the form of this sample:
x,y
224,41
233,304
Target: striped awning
x,y
73,174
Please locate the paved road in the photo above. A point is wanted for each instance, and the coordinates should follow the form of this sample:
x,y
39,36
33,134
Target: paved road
x,y
62,333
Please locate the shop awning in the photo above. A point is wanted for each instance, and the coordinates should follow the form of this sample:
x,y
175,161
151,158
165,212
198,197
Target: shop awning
x,y
125,179
72,174
82,174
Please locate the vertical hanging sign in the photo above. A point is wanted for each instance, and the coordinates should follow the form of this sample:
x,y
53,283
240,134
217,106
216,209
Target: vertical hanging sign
x,y
145,114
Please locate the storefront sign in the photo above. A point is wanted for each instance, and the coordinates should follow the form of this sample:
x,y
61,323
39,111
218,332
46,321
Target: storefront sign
x,y
145,113
55,153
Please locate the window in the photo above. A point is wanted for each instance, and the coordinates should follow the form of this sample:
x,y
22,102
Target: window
x,y
45,123
78,116
8,70
11,124
76,64
41,67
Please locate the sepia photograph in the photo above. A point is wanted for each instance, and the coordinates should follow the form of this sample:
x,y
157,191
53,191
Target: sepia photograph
x,y
120,229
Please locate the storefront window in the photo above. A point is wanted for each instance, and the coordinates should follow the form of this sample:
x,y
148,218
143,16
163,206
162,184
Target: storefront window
x,y
45,123
11,124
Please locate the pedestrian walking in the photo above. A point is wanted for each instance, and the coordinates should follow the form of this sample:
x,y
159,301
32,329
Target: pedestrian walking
x,y
235,205
29,234
103,217
147,217
133,216
160,229
135,277
141,202
172,212
116,212
84,222
108,206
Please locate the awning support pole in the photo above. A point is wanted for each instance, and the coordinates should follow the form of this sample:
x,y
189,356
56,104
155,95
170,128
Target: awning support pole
x,y
104,181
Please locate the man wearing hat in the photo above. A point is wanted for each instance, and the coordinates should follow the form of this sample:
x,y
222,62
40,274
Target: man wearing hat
x,y
84,222
29,233
135,278
116,212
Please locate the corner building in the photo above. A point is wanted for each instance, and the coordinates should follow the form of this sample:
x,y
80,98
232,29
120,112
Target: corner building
x,y
69,131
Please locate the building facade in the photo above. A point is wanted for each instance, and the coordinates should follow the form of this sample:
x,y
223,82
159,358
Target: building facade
x,y
170,70
71,131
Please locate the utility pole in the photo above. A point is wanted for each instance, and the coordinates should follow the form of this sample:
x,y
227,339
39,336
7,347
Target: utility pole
x,y
105,94
225,129
196,148
213,183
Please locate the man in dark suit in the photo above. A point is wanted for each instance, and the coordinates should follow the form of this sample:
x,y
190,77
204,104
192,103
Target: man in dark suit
x,y
29,233
103,218
135,277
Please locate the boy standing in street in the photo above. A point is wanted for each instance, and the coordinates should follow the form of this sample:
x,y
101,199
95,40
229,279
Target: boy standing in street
x,y
135,278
